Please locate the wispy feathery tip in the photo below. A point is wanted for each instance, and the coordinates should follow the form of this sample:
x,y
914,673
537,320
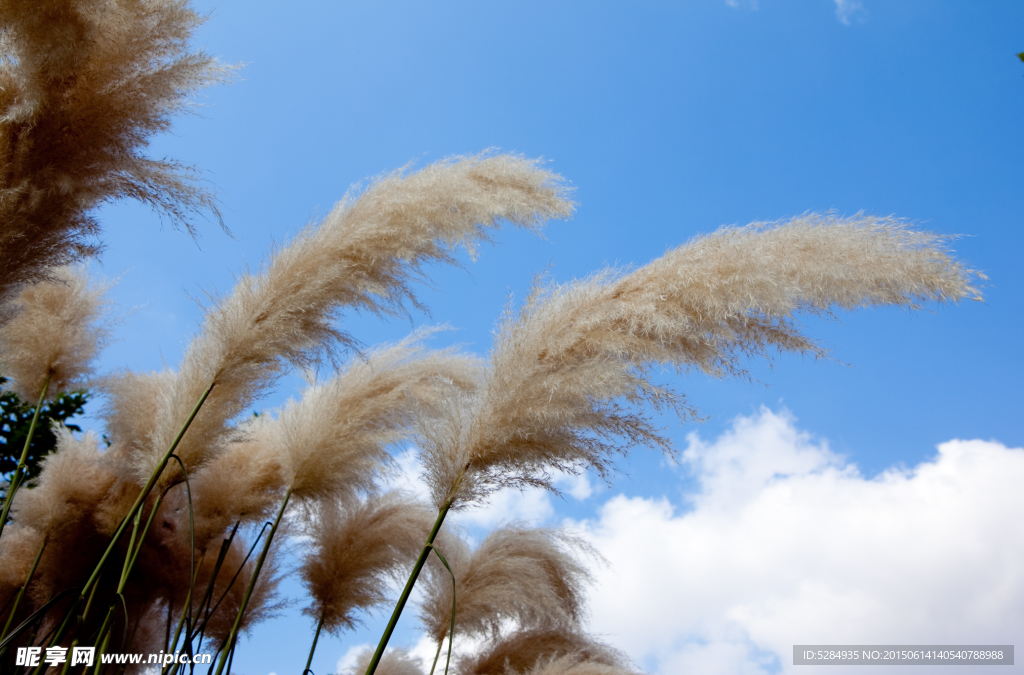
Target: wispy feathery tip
x,y
83,87
571,372
364,255
529,576
357,549
54,334
241,484
521,651
335,438
396,661
18,549
73,482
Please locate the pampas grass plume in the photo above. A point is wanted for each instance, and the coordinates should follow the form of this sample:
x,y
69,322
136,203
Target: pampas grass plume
x,y
571,371
54,334
356,550
575,664
242,484
363,255
523,650
18,549
525,575
83,86
73,482
396,661
334,440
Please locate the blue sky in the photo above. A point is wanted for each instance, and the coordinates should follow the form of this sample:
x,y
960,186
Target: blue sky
x,y
670,119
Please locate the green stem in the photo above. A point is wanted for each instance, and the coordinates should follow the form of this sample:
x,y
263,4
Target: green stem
x,y
185,610
316,636
407,591
105,639
93,579
436,655
229,644
133,556
19,471
21,592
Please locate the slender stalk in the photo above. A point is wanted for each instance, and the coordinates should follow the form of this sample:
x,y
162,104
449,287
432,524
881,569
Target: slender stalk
x,y
451,634
133,556
134,546
21,592
204,606
407,591
146,490
316,636
185,611
19,471
229,644
104,638
130,516
436,655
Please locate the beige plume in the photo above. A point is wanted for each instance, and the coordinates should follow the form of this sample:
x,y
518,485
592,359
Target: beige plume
x,y
396,661
356,551
576,664
84,85
523,650
334,439
54,334
363,255
571,371
529,576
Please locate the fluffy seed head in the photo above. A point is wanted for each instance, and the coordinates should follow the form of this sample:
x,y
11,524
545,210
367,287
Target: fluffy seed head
x,y
334,439
54,334
243,483
84,85
574,664
73,483
356,550
523,650
263,602
18,549
571,371
529,576
363,255
396,661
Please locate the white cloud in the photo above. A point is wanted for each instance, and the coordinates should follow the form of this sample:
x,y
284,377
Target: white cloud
x,y
785,543
848,11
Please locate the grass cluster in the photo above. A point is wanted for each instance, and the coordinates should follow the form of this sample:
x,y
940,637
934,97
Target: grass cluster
x,y
170,538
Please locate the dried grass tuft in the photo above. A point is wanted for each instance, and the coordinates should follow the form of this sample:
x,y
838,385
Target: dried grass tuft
x,y
523,650
571,372
334,440
356,551
84,85
53,334
396,661
73,482
574,664
528,576
363,255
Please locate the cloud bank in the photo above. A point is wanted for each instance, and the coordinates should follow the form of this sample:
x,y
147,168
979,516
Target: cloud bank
x,y
785,543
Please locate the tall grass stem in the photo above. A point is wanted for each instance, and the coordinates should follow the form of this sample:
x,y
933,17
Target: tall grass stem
x,y
316,636
21,593
89,586
229,644
407,591
19,471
